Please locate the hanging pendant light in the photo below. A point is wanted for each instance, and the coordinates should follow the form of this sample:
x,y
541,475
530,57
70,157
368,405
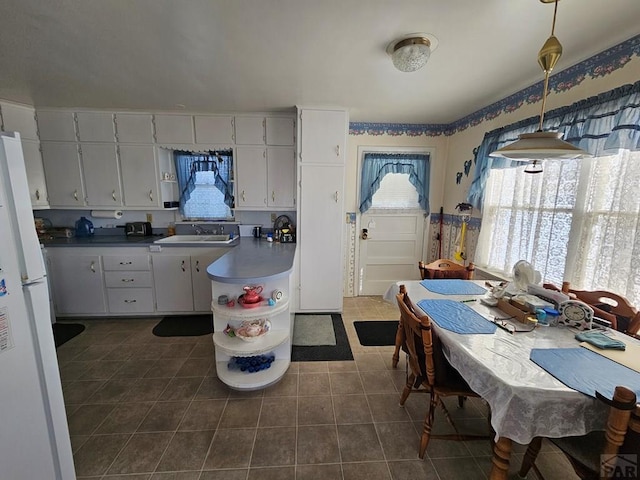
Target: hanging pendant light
x,y
542,145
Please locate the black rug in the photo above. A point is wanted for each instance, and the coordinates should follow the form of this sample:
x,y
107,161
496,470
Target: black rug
x,y
63,332
184,326
376,333
341,351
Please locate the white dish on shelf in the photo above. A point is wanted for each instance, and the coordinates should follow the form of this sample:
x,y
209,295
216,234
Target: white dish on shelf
x,y
253,330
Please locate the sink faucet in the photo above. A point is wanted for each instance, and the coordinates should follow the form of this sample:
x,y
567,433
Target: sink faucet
x,y
199,230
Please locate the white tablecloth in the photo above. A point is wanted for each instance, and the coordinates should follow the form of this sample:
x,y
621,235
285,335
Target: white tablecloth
x,y
525,400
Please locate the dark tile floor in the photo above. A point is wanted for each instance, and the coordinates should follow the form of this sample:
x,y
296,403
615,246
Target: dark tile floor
x,y
142,407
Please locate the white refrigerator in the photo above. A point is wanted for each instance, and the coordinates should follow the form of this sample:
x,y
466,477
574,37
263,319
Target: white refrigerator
x,y
34,435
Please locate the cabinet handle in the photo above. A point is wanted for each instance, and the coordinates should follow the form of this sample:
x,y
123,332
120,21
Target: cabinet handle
x,y
127,280
113,195
130,301
337,150
126,263
151,195
337,196
243,199
197,265
182,266
93,267
37,194
273,195
75,195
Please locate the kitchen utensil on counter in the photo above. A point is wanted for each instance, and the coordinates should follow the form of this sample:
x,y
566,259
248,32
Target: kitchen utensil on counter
x,y
257,231
84,227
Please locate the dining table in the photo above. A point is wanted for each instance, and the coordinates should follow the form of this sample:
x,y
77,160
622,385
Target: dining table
x,y
525,400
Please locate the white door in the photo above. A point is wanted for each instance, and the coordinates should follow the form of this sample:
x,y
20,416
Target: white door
x,y
77,284
391,251
323,136
200,279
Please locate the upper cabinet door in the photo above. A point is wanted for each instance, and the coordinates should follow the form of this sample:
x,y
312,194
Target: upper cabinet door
x,y
250,131
281,177
16,118
251,180
35,173
280,131
139,176
134,127
62,171
100,167
323,136
56,126
214,129
95,127
171,129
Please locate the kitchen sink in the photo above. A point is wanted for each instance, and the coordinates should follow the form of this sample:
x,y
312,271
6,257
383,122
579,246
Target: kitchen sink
x,y
199,239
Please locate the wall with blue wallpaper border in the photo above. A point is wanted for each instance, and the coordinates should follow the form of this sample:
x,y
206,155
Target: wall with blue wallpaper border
x,y
599,65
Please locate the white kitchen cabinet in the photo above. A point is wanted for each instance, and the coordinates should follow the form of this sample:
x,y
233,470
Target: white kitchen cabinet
x,y
101,175
63,174
172,282
280,131
57,126
251,185
35,174
320,226
212,129
128,283
139,175
95,127
19,118
250,131
281,177
134,127
323,136
77,282
276,343
199,279
173,129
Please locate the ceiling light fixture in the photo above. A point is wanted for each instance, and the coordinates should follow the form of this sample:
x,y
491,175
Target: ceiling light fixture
x,y
535,166
542,145
412,52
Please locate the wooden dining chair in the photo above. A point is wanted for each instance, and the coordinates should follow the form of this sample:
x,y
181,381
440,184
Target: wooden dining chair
x,y
429,371
445,268
596,455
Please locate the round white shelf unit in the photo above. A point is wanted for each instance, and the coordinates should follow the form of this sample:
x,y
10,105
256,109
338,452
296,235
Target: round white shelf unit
x,y
234,347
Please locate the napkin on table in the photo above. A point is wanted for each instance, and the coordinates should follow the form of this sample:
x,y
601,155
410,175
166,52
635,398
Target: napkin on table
x,y
600,340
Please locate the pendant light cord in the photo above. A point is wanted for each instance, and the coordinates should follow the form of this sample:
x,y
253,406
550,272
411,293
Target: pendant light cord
x,y
545,89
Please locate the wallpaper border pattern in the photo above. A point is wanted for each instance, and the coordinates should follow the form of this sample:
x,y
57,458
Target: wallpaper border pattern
x,y
599,65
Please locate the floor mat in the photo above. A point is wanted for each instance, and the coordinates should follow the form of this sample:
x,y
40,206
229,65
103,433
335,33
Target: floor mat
x,y
184,326
313,330
63,332
341,350
376,333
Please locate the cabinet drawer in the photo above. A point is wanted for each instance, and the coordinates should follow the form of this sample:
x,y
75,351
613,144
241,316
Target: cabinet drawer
x,y
126,262
130,300
127,279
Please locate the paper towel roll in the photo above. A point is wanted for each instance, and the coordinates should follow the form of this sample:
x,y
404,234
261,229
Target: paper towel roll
x,y
106,214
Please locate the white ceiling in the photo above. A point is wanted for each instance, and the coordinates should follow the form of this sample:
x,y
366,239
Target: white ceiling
x,y
268,55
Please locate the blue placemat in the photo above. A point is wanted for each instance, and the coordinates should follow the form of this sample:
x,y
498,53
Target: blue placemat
x,y
586,371
453,287
456,316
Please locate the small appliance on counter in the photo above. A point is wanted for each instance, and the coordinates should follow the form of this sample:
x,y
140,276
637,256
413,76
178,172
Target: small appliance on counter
x,y
84,227
138,229
283,231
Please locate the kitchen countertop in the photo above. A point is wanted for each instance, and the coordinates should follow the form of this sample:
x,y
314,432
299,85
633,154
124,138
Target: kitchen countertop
x,y
123,241
254,260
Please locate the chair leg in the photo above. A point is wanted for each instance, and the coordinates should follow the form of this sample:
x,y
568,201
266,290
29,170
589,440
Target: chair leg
x,y
407,388
396,353
461,401
530,457
428,424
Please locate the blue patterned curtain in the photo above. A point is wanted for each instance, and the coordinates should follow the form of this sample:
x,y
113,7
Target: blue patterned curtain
x,y
376,165
601,125
189,163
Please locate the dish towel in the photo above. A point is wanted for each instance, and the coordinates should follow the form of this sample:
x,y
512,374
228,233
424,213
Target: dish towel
x,y
600,340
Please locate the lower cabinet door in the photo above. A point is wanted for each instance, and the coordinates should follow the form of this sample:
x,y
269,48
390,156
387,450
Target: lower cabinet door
x,y
130,300
172,283
77,284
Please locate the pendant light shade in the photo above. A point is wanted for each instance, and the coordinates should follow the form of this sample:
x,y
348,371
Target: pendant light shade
x,y
412,52
542,145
